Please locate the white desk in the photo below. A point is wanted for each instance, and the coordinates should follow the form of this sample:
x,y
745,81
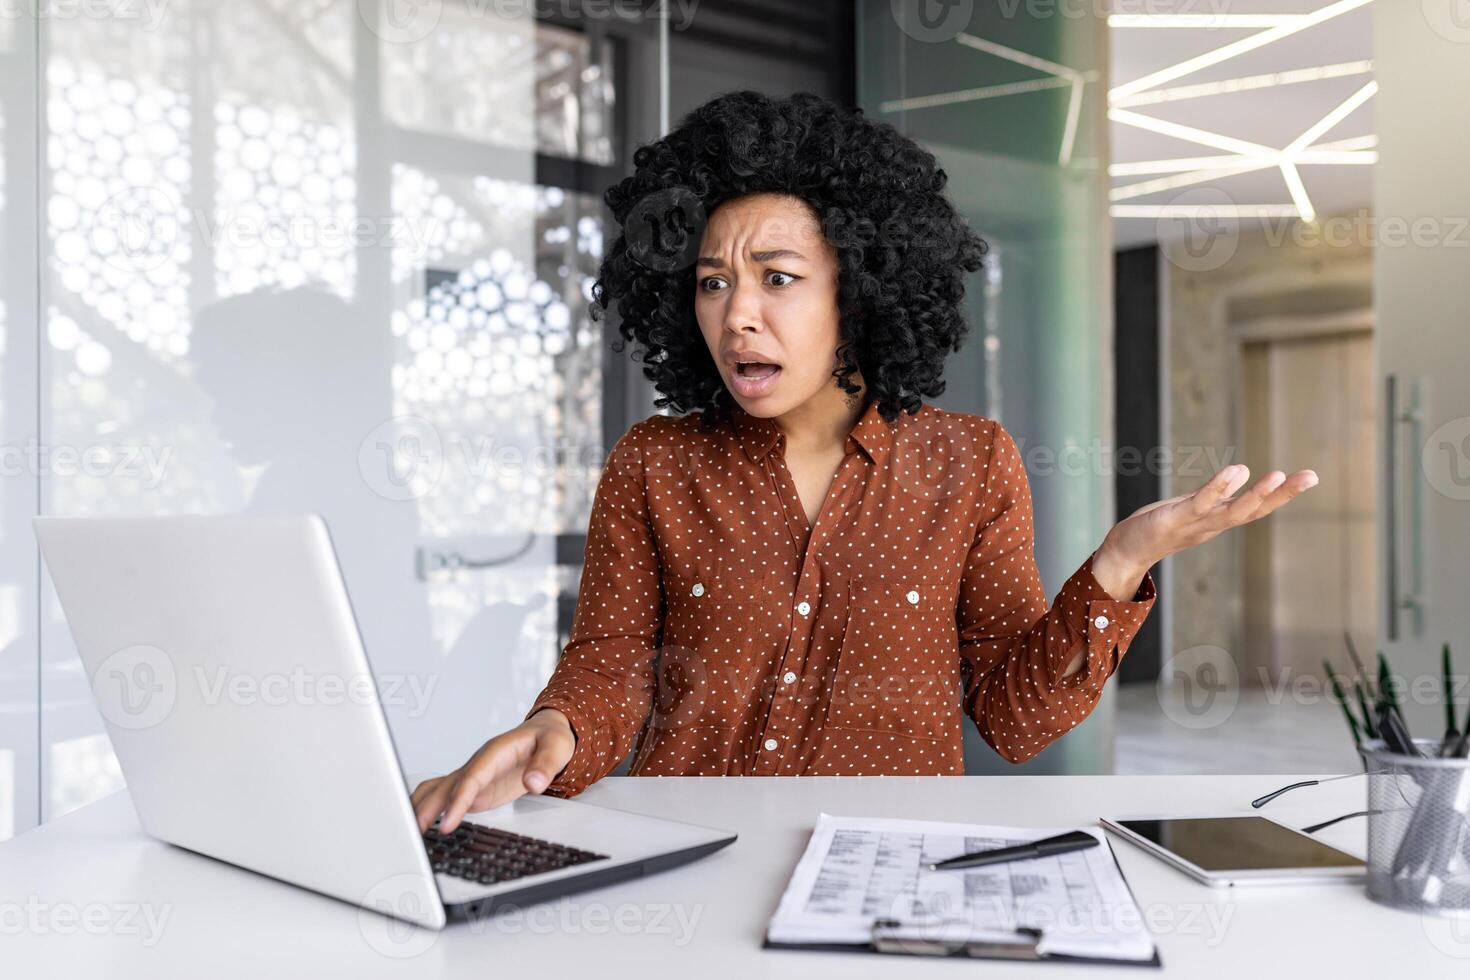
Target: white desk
x,y
87,880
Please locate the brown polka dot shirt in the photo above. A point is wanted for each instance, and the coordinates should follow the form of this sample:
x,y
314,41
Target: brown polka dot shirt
x,y
717,632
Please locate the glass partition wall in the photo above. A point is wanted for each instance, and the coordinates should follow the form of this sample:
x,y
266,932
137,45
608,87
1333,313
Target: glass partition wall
x,y
1013,102
288,258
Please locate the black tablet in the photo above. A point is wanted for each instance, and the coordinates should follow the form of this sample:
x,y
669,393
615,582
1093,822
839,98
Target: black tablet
x,y
1246,850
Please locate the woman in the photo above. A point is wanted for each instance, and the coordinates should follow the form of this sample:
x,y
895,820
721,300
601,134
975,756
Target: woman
x,y
810,570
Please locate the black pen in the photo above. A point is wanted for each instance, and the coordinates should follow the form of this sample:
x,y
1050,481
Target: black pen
x,y
1461,749
1075,840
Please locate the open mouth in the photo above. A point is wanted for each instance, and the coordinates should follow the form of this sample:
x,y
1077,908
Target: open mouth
x,y
756,370
753,379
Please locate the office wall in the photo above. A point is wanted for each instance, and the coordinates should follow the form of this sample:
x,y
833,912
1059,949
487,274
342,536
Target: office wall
x,y
1027,166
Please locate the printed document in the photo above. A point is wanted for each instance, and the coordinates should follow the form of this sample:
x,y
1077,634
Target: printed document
x,y
859,869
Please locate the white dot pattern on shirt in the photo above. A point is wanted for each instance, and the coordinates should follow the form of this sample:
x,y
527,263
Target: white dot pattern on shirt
x,y
924,604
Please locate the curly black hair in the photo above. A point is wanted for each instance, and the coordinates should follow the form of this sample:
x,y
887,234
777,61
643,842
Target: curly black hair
x,y
903,250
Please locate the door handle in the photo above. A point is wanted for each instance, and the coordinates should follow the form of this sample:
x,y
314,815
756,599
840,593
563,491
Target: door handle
x,y
1404,504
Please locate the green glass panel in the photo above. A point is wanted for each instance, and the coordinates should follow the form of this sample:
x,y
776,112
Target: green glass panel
x,y
1012,100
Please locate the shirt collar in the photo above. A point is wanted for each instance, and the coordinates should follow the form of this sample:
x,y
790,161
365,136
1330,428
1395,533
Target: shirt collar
x,y
871,434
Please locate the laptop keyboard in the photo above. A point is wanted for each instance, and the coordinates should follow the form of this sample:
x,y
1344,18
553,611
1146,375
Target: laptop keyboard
x,y
490,856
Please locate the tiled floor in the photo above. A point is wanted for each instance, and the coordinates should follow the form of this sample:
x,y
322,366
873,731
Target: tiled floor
x,y
1259,733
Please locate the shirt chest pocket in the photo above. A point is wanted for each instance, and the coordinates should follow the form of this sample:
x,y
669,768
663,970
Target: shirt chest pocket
x,y
898,664
717,612
715,624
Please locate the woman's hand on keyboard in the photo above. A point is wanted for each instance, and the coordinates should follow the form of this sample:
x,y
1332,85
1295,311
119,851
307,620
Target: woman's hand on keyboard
x,y
522,760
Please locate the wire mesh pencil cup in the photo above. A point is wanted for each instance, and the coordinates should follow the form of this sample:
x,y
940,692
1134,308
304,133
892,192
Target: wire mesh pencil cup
x,y
1418,829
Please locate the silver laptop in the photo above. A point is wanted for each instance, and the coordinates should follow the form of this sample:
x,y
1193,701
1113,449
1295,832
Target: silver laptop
x,y
230,673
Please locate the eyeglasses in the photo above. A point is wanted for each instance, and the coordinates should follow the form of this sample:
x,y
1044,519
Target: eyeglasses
x,y
1261,801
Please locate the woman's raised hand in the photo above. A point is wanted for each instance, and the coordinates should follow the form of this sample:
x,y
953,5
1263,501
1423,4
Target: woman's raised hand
x,y
1160,529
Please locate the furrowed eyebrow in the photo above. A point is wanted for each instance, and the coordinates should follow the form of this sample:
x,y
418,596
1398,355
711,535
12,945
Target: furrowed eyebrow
x,y
715,262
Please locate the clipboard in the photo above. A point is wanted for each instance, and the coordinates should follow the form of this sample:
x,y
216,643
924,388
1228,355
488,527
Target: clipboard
x,y
892,937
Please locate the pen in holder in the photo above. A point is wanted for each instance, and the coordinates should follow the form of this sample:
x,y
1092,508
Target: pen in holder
x,y
1418,828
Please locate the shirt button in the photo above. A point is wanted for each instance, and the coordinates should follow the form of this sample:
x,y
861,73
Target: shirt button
x,y
789,677
913,598
803,607
698,589
1101,622
771,744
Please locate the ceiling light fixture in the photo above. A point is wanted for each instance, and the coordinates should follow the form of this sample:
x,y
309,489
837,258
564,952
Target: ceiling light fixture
x,y
1298,191
1059,76
1249,156
1191,134
1334,117
1201,21
1203,211
1077,79
977,94
1319,154
1235,48
1248,83
1142,188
